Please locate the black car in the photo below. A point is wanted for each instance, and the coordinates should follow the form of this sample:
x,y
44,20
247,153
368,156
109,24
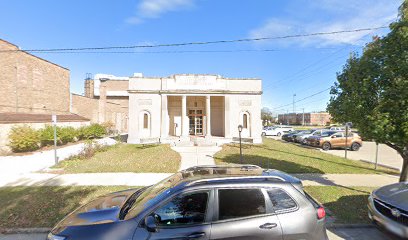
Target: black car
x,y
206,202
289,137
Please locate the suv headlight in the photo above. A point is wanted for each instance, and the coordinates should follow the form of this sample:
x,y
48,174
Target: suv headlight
x,y
55,237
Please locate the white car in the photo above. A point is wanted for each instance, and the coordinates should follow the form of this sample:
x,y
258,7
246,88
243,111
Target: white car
x,y
337,129
276,130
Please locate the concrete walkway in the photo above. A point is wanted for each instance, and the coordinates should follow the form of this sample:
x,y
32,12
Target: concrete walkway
x,y
146,179
43,159
196,155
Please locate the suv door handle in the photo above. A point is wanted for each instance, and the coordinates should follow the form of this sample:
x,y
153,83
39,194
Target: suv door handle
x,y
196,235
268,226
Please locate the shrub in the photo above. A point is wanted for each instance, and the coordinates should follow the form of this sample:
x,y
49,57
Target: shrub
x,y
66,134
24,139
92,131
46,136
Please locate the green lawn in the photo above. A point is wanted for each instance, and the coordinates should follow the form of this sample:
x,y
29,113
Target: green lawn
x,y
346,204
23,207
292,158
157,158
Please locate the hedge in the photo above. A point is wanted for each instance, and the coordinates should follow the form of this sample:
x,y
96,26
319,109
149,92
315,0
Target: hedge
x,y
25,139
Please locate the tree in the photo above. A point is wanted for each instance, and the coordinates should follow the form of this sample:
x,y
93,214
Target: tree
x,y
266,115
372,90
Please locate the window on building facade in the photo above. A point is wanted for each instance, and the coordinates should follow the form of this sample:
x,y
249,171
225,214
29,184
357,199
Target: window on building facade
x,y
245,120
145,121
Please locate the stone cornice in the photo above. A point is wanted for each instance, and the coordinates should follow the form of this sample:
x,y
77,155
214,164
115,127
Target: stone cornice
x,y
215,92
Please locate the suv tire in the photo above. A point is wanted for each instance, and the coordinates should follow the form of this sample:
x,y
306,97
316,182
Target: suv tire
x,y
326,146
263,134
355,146
279,134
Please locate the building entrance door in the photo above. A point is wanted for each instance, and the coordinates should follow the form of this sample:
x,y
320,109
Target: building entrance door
x,y
195,121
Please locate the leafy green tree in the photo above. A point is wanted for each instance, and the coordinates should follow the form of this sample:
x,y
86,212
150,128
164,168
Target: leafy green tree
x,y
266,115
372,90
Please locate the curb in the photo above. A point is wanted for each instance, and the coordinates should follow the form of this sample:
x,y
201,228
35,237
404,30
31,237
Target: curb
x,y
24,230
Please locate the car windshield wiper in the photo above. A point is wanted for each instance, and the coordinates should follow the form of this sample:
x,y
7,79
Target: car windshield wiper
x,y
129,203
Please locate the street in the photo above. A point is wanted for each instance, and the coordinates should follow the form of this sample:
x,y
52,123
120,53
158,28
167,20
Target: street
x,y
334,234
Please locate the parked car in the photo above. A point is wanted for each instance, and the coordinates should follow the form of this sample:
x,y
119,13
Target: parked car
x,y
314,132
277,130
337,129
334,139
205,202
388,208
290,135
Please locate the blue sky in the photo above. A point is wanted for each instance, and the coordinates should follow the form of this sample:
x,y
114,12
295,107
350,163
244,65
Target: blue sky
x,y
300,66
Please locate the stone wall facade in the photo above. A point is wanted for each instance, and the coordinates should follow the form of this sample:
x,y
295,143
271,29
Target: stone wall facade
x,y
105,101
30,84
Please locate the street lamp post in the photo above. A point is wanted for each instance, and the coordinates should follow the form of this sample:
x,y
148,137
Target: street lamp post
x,y
240,143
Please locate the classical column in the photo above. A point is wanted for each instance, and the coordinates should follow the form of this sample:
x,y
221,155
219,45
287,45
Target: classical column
x,y
208,114
164,117
184,119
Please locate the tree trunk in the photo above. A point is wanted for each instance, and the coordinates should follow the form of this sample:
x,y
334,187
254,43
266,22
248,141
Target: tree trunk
x,y
404,170
403,151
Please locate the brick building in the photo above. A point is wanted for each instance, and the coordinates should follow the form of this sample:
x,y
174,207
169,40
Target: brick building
x,y
308,119
106,99
30,84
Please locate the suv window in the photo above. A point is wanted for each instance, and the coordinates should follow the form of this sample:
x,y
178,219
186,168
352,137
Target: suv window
x,y
236,203
280,199
183,209
338,135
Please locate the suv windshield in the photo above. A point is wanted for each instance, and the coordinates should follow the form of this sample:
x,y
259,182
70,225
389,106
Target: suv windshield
x,y
153,194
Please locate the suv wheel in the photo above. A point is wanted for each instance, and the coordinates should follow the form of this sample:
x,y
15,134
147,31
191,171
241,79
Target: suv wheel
x,y
326,146
263,134
355,146
279,134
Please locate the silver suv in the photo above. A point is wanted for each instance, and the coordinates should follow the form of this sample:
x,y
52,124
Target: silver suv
x,y
206,202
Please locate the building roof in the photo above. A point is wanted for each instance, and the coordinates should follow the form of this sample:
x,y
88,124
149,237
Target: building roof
x,y
18,49
38,118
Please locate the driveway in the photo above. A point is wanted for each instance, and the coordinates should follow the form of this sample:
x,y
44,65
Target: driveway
x,y
386,155
42,159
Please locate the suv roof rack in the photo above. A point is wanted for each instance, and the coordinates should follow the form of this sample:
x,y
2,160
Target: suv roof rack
x,y
245,178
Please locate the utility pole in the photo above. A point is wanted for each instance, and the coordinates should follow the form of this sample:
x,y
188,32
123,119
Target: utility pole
x,y
303,117
294,109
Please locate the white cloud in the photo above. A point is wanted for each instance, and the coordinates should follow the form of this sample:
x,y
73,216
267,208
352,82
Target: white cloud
x,y
329,16
148,9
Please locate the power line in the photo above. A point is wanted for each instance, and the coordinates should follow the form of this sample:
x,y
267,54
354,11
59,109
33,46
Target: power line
x,y
181,51
198,43
312,95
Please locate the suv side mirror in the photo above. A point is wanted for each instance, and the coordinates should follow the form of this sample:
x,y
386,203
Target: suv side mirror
x,y
333,136
150,223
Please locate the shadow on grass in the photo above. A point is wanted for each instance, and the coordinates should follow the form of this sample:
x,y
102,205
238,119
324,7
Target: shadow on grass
x,y
270,162
25,207
309,156
350,209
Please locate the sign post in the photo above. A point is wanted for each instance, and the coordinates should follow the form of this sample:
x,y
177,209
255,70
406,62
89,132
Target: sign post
x,y
54,124
376,155
348,125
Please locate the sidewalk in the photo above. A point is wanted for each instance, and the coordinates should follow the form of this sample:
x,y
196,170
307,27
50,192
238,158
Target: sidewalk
x,y
196,155
146,179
